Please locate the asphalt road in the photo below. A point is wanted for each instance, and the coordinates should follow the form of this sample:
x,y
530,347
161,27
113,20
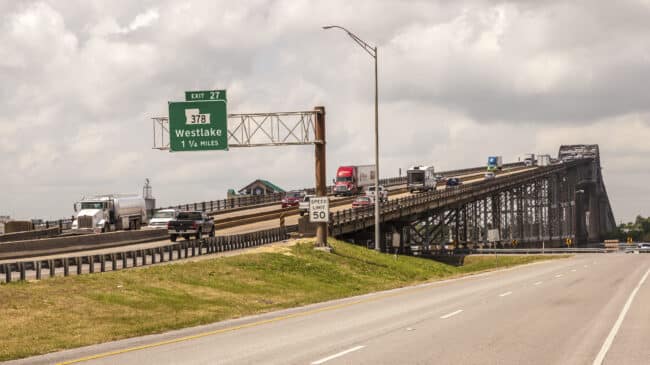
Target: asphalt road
x,y
559,312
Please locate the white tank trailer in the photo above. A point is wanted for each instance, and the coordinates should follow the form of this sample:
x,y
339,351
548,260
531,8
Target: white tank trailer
x,y
105,213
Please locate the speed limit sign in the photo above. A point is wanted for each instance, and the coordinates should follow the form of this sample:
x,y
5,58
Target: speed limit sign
x,y
319,209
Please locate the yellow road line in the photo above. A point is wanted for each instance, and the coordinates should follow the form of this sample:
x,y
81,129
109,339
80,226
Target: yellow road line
x,y
242,326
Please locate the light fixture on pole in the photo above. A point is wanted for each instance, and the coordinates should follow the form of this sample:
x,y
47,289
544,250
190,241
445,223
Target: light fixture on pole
x,y
372,51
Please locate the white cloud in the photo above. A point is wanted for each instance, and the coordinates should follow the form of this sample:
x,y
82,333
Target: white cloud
x,y
458,81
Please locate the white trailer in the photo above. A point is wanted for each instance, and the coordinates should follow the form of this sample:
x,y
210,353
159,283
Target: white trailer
x,y
105,213
420,178
543,160
366,176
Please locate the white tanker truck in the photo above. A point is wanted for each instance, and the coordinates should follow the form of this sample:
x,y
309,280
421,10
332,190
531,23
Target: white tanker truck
x,y
105,213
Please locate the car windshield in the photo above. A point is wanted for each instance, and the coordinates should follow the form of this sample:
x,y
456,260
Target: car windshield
x,y
92,205
189,215
168,214
293,194
363,199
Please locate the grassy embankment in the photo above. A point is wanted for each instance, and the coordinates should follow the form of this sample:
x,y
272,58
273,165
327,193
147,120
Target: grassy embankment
x,y
60,313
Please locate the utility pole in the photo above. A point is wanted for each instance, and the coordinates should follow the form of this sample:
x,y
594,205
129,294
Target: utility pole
x,y
321,183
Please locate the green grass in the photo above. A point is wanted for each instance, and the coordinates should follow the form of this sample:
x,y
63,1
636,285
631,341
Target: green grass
x,y
59,313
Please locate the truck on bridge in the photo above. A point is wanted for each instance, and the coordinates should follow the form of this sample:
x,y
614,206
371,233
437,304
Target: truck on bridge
x,y
113,212
350,180
420,178
529,159
495,163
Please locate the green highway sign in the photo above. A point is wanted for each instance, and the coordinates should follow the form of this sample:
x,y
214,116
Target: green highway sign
x,y
198,126
205,95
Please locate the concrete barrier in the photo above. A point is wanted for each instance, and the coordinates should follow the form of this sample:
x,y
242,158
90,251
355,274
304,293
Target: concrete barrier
x,y
30,235
50,246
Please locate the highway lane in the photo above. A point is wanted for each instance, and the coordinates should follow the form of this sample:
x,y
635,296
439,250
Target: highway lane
x,y
557,312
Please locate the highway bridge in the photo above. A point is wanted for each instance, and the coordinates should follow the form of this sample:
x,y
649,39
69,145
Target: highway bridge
x,y
555,204
523,206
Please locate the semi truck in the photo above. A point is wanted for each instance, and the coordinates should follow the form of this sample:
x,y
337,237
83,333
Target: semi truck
x,y
106,213
529,159
420,178
543,160
495,163
351,180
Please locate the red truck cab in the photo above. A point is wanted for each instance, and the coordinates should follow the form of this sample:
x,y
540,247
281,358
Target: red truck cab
x,y
346,181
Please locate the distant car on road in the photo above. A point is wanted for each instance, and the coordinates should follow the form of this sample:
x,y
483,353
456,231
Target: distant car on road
x,y
303,206
162,217
362,201
292,198
441,180
489,175
188,224
383,193
644,245
453,182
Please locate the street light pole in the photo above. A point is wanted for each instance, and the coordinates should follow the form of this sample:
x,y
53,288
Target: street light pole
x,y
372,51
377,195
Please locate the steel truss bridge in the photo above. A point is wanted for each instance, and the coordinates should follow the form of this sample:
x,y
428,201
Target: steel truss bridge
x,y
565,202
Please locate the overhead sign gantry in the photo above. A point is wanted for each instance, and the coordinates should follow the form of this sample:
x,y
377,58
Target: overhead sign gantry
x,y
201,123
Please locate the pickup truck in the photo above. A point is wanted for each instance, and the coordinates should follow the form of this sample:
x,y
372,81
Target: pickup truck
x,y
188,224
303,206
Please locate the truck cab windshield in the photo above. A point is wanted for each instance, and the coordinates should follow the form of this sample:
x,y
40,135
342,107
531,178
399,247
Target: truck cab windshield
x,y
344,178
415,177
92,205
164,215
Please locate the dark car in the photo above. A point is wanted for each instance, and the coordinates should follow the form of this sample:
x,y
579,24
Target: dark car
x,y
362,201
292,199
190,224
453,182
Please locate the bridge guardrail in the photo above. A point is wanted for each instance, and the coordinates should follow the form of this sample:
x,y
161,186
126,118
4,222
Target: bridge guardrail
x,y
134,257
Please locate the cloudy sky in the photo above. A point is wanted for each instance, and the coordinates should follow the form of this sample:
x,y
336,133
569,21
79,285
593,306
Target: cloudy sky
x,y
458,80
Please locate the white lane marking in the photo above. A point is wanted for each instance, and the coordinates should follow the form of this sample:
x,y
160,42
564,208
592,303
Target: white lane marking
x,y
586,266
559,275
325,359
505,294
539,282
451,314
574,270
610,338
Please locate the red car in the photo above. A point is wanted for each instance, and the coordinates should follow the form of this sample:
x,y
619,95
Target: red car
x,y
362,201
292,199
